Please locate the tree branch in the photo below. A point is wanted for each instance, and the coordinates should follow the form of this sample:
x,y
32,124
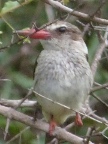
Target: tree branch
x,y
97,57
81,15
14,103
99,87
58,132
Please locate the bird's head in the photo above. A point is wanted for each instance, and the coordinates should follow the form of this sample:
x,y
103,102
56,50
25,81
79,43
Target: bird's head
x,y
57,36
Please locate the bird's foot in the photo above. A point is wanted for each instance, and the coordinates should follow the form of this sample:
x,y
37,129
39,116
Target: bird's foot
x,y
52,126
78,120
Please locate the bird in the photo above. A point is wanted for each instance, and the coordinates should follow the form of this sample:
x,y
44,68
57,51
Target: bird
x,y
62,73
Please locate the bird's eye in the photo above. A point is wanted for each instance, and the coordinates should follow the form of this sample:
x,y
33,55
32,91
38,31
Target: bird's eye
x,y
62,29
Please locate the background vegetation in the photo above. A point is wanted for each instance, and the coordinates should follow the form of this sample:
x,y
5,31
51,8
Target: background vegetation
x,y
17,59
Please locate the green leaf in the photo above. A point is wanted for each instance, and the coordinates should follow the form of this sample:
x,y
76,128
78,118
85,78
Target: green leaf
x,y
9,6
65,1
27,40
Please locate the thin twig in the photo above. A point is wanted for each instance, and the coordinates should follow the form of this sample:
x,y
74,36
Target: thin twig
x,y
98,84
94,95
14,103
99,87
26,97
97,58
89,134
18,135
19,104
6,128
23,118
81,15
98,54
103,133
57,103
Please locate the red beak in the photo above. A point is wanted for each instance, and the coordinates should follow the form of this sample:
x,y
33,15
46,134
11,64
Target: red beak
x,y
32,33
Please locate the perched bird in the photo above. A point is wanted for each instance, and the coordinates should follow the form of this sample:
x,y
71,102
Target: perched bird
x,y
63,73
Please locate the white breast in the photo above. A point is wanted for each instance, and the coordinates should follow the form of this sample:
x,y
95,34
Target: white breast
x,y
63,81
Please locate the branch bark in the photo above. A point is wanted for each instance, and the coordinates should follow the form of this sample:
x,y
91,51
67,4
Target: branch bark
x,y
14,103
81,15
97,57
58,132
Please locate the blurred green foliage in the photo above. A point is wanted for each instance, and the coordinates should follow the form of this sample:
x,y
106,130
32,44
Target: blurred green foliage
x,y
17,60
